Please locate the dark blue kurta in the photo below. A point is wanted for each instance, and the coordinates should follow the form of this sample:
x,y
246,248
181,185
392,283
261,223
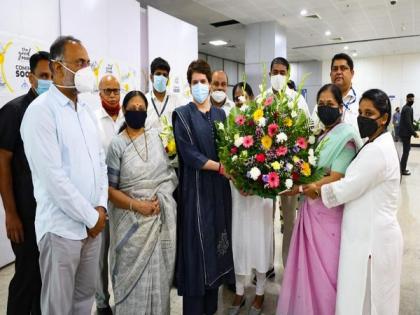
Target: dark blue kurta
x,y
204,252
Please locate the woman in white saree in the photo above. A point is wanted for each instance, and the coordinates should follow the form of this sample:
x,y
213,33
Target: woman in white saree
x,y
142,215
371,240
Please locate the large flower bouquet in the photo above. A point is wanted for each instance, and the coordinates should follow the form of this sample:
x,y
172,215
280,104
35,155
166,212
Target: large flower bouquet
x,y
267,145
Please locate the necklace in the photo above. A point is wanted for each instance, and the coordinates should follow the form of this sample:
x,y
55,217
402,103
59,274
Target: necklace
x,y
145,141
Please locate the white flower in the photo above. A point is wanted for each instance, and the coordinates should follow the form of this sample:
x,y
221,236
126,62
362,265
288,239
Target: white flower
x,y
242,99
234,158
312,160
239,141
289,183
289,166
243,107
293,114
255,173
311,152
311,139
291,104
221,126
261,122
281,137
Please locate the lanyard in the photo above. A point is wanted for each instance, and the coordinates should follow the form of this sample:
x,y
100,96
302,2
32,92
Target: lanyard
x,y
163,108
347,105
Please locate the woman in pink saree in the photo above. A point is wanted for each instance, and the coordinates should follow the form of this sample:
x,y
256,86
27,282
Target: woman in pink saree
x,y
310,278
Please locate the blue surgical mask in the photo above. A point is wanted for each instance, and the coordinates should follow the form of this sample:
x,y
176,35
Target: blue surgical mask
x,y
200,92
43,86
159,83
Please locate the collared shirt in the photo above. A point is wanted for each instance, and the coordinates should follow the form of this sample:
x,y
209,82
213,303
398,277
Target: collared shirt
x,y
68,165
292,95
351,111
108,128
351,108
156,109
11,116
227,106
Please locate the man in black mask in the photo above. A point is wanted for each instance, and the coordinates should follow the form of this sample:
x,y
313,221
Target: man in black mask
x,y
406,131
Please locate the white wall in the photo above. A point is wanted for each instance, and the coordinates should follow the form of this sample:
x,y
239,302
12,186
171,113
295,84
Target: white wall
x,y
179,48
313,72
397,75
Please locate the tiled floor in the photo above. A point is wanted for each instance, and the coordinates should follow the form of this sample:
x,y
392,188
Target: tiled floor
x,y
409,217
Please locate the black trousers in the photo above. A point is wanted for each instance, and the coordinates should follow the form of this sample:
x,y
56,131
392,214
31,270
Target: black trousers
x,y
198,305
25,286
406,141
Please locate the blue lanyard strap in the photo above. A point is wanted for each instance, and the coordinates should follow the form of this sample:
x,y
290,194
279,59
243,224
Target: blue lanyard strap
x,y
347,105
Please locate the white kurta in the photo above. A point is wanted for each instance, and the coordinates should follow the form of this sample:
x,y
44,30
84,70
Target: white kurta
x,y
370,191
252,233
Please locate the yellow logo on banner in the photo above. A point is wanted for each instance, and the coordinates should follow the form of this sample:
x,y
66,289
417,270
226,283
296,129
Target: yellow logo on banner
x,y
2,59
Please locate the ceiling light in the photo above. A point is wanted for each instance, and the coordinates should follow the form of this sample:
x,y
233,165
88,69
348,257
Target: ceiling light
x,y
354,54
303,12
346,47
327,33
217,42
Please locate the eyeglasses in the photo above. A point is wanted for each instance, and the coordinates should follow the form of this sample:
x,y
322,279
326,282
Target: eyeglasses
x,y
108,92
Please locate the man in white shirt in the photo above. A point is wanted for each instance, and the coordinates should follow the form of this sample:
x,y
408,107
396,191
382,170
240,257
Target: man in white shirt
x,y
160,101
342,72
110,118
279,69
218,90
69,175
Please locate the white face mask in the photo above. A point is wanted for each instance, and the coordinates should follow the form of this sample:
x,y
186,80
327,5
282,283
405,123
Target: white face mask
x,y
278,81
218,96
84,80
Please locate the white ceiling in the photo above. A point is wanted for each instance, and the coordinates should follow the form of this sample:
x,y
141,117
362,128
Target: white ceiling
x,y
353,20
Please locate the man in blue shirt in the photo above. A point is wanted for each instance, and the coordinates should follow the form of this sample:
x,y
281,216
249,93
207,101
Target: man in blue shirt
x,y
68,168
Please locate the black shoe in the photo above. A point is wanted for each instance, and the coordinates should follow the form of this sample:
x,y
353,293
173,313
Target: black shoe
x,y
405,172
270,274
104,311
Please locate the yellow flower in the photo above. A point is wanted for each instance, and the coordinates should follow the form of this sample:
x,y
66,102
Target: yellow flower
x,y
275,165
295,159
258,114
171,147
288,122
305,169
266,142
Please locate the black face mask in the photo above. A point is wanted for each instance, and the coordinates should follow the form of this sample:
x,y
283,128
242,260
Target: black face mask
x,y
135,119
410,103
367,126
328,115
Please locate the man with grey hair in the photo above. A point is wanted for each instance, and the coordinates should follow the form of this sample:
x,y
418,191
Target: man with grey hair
x,y
69,175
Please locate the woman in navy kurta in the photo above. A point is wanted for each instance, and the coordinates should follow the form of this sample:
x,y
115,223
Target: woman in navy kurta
x,y
204,252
